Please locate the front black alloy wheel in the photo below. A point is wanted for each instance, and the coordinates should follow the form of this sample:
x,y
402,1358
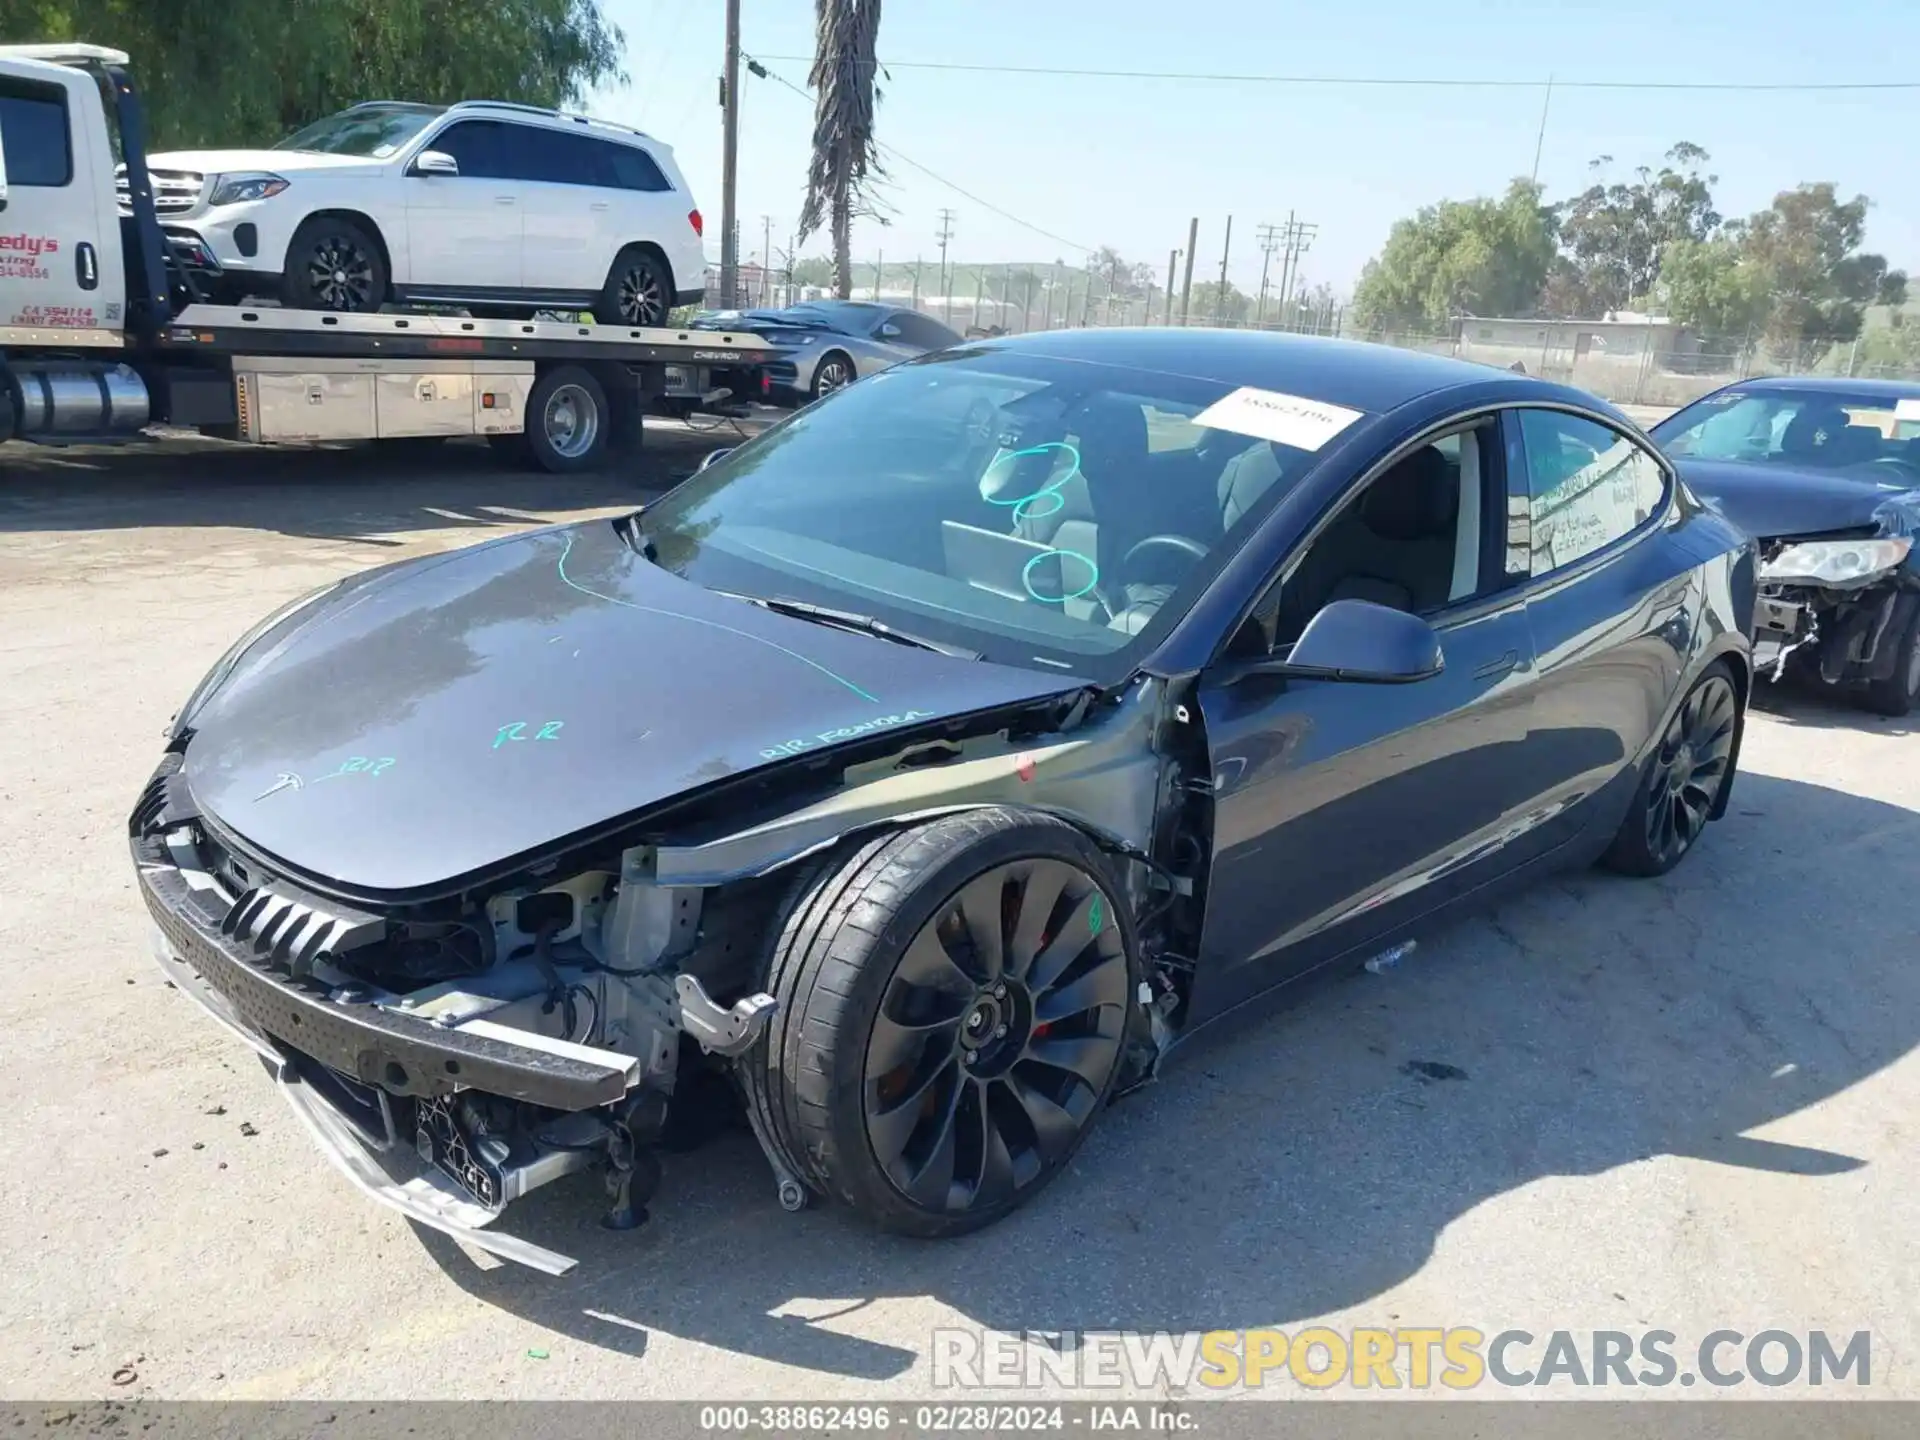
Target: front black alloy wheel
x,y
954,1002
1683,784
334,265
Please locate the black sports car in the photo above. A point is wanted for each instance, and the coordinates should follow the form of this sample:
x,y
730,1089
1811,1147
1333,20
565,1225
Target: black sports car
x,y
930,765
1826,473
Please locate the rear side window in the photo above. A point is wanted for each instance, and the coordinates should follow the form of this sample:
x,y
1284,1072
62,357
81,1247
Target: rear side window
x,y
33,128
917,329
1587,486
628,167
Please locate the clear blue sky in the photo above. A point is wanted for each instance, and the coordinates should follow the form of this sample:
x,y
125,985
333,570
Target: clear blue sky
x,y
1127,162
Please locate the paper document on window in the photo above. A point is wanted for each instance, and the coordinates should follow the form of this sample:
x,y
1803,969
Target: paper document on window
x,y
1269,415
1907,409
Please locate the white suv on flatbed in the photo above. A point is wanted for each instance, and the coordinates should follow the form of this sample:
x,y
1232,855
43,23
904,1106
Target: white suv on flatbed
x,y
496,207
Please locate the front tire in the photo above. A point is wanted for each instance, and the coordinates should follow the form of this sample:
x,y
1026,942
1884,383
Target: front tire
x,y
953,1006
1899,693
834,372
334,264
1684,782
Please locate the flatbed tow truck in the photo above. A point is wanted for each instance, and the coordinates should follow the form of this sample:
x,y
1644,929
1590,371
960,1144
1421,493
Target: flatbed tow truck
x,y
103,332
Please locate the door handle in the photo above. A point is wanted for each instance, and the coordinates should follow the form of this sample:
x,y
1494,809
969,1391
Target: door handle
x,y
503,199
1494,669
599,205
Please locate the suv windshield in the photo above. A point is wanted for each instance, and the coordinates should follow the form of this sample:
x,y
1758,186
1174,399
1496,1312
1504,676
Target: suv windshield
x,y
1037,511
371,131
1826,428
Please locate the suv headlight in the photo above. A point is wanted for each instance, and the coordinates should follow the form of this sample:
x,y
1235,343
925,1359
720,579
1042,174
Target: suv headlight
x,y
238,189
1837,562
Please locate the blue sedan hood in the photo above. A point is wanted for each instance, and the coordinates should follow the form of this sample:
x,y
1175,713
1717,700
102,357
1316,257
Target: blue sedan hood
x,y
442,716
1770,501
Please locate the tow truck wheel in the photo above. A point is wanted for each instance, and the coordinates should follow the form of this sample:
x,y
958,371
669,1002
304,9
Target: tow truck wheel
x,y
1899,693
953,1004
568,422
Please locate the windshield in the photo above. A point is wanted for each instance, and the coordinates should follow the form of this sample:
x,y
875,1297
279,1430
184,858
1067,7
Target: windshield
x,y
1041,512
371,131
1825,429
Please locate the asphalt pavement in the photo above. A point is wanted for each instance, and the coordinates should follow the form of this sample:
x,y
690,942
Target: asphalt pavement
x,y
1687,1103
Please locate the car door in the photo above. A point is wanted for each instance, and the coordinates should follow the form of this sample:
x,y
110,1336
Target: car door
x,y
1611,599
1342,809
61,222
464,230
906,333
568,213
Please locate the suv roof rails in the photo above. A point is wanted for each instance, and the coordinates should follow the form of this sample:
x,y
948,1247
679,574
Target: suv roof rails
x,y
547,114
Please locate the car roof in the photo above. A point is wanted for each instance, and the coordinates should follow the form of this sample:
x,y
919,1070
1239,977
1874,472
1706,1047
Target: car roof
x,y
1827,384
1353,373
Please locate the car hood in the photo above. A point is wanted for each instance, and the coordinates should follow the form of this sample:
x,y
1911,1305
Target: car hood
x,y
280,162
1769,501
774,322
446,715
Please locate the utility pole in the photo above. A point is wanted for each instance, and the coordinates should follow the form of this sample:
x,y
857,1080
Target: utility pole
x,y
879,269
1186,283
730,160
1046,318
1541,139
979,289
766,256
1267,246
916,282
1086,297
793,260
1026,312
1300,241
946,234
1220,299
1173,259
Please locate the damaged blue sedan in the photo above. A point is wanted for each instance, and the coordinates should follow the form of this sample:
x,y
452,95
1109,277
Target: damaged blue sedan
x,y
919,773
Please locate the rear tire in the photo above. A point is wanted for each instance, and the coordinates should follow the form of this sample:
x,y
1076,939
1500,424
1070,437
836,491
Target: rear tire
x,y
568,422
1899,693
638,292
953,1008
1685,778
334,264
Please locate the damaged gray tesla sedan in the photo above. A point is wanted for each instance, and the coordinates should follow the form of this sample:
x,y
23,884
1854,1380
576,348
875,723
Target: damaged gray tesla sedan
x,y
921,771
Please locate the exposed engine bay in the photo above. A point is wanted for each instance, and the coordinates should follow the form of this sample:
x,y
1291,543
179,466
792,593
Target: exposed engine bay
x,y
595,1011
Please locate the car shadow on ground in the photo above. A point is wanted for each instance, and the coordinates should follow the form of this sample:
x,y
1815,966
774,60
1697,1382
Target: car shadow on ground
x,y
370,493
1308,1162
1813,707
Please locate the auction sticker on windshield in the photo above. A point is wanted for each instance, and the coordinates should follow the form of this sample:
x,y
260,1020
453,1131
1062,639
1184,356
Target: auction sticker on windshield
x,y
1906,409
1269,415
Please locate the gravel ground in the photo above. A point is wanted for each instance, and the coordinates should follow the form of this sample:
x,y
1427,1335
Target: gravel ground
x,y
1685,1104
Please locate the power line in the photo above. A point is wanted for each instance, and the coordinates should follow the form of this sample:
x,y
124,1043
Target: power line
x,y
931,174
1450,82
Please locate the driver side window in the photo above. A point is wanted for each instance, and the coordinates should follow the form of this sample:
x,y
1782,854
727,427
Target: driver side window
x,y
1414,538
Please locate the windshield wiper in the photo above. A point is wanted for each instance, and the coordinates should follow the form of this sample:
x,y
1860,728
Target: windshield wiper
x,y
852,620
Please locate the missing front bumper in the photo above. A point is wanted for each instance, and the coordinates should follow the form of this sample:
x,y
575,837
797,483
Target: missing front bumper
x,y
423,1196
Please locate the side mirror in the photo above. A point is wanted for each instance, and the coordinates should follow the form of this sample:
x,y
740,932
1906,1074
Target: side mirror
x,y
888,331
713,455
1359,641
434,162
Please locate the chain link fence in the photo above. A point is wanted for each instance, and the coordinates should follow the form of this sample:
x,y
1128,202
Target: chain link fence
x,y
1639,362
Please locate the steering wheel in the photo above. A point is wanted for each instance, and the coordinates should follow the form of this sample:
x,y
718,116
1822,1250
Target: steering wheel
x,y
1184,544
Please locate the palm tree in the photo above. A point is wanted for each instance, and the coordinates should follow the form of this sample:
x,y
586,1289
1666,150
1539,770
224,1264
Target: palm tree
x,y
844,158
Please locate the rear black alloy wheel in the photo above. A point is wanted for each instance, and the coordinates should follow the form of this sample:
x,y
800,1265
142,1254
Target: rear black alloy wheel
x,y
954,1001
834,373
1692,767
335,265
638,292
